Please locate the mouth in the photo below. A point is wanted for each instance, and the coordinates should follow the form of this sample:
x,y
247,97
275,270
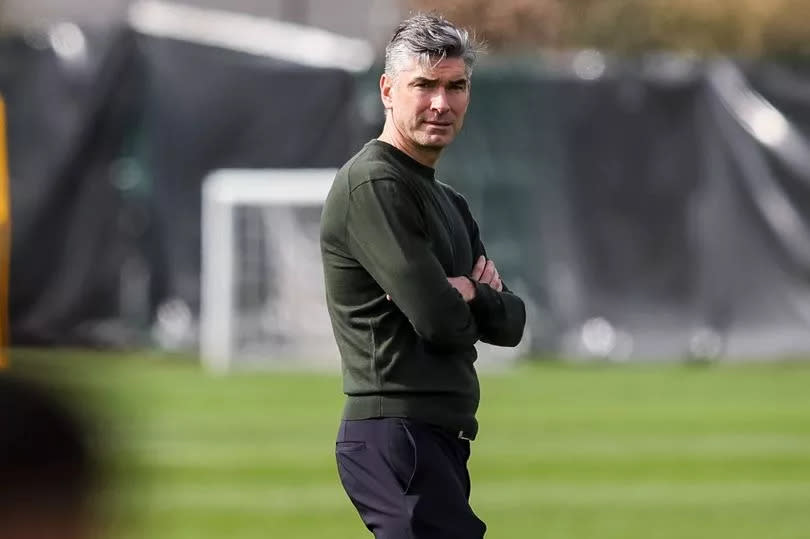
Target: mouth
x,y
440,124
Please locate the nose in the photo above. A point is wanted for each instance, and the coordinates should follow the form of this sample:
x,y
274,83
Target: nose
x,y
438,103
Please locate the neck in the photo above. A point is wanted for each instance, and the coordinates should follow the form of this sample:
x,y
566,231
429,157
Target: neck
x,y
426,156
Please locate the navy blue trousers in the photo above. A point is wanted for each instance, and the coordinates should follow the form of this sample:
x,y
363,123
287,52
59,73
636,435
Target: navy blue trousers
x,y
407,479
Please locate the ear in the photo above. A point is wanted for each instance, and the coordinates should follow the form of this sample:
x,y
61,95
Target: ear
x,y
386,86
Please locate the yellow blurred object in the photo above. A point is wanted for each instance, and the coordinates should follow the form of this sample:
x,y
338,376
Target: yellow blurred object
x,y
5,239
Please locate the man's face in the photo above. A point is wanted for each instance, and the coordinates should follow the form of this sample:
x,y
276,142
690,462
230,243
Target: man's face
x,y
428,104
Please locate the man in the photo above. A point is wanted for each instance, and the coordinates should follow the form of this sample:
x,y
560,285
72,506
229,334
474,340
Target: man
x,y
410,291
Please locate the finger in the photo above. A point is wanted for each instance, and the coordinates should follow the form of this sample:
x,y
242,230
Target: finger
x,y
388,297
496,277
489,273
478,268
497,284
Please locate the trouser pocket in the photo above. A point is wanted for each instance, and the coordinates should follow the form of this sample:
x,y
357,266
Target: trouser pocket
x,y
402,454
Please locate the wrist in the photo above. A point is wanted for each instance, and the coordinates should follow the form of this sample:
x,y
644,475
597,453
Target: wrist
x,y
473,288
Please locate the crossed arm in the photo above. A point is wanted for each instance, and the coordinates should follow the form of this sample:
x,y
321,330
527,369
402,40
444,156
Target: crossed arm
x,y
387,236
499,313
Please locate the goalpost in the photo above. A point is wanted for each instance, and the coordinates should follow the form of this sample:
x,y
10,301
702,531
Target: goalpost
x,y
262,295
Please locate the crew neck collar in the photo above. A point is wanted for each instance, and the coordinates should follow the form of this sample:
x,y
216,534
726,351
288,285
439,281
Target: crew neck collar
x,y
405,159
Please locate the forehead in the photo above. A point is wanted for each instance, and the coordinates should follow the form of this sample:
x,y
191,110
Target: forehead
x,y
447,69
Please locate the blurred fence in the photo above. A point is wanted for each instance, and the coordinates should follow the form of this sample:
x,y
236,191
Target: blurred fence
x,y
653,208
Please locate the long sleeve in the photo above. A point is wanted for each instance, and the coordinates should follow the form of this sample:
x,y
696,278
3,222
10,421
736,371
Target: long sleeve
x,y
501,316
386,234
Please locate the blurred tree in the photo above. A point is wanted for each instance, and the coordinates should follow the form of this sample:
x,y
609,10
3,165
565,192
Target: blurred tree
x,y
786,31
504,23
750,27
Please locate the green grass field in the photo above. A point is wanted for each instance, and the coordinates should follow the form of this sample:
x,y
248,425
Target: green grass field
x,y
565,451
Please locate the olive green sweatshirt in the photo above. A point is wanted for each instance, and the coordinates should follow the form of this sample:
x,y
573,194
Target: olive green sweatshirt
x,y
390,228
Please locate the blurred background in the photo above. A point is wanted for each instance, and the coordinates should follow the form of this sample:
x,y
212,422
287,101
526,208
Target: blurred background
x,y
640,170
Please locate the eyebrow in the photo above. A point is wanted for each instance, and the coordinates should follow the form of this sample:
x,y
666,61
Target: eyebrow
x,y
418,80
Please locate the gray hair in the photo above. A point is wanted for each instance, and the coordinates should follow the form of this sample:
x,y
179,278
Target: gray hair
x,y
430,38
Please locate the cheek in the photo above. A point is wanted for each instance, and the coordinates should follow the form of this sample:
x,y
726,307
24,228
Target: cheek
x,y
417,112
421,104
459,104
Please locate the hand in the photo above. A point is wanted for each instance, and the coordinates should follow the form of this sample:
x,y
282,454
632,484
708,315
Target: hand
x,y
485,272
464,286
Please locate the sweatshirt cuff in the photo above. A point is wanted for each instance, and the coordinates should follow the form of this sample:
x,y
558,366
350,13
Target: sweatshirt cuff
x,y
484,301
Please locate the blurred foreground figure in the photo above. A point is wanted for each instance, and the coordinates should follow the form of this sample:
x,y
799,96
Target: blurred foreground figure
x,y
410,291
48,471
